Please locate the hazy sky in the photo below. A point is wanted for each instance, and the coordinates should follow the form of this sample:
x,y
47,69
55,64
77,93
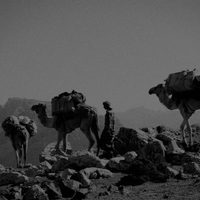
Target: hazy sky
x,y
108,49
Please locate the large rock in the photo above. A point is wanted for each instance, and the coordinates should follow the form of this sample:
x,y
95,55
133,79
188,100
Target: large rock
x,y
170,143
48,154
11,177
52,190
35,193
33,171
51,155
2,168
191,168
130,156
94,173
118,164
155,151
79,160
130,140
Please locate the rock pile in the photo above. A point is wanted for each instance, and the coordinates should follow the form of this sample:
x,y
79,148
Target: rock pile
x,y
143,155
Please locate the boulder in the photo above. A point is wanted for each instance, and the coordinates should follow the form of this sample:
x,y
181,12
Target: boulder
x,y
11,177
152,132
67,173
82,178
170,143
33,171
2,168
191,168
146,168
130,140
130,156
35,193
46,165
94,173
118,164
190,157
155,151
51,155
52,190
171,172
79,160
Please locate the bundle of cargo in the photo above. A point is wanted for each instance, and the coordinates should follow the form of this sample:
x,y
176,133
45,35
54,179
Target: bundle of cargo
x,y
62,105
13,124
180,81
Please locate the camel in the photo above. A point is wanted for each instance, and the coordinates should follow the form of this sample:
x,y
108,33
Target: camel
x,y
186,102
65,124
19,130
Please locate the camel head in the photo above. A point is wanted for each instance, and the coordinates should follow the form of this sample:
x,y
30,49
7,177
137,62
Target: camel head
x,y
39,108
157,89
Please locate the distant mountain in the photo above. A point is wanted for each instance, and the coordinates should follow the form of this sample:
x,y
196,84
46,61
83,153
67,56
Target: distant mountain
x,y
142,117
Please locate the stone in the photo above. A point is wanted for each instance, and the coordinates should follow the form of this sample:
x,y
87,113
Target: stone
x,y
61,164
11,177
118,164
82,178
171,172
2,168
33,171
52,190
155,151
94,173
130,156
35,193
191,168
67,173
46,165
170,143
190,157
130,140
152,132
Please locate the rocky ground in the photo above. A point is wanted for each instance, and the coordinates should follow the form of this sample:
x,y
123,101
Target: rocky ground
x,y
149,164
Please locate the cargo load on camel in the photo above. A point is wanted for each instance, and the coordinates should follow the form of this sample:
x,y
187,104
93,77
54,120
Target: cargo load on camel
x,y
66,103
180,81
13,124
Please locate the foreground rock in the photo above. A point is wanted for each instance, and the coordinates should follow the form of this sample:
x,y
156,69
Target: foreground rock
x,y
130,140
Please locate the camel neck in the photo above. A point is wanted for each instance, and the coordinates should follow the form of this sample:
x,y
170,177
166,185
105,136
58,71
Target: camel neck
x,y
165,99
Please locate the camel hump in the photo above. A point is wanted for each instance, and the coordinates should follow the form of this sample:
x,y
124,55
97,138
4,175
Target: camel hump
x,y
181,81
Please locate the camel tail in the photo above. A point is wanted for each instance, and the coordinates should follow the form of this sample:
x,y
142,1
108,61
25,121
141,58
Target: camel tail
x,y
95,130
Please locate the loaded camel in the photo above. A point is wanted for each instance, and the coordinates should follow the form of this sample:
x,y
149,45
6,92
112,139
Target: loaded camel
x,y
186,102
19,130
65,124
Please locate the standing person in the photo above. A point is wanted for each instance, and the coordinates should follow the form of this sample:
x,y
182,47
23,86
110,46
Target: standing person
x,y
107,135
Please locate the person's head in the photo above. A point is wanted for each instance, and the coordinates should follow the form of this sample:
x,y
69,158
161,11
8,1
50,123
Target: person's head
x,y
107,105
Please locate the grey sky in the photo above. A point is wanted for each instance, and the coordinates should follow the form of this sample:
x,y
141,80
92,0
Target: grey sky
x,y
108,49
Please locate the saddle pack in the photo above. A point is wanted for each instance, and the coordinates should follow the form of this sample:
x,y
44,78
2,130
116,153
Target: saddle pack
x,y
13,124
66,103
180,81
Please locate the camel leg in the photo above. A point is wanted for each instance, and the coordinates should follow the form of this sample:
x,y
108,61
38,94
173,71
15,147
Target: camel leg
x,y
59,139
97,140
65,137
25,150
88,134
190,133
17,158
20,157
183,132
